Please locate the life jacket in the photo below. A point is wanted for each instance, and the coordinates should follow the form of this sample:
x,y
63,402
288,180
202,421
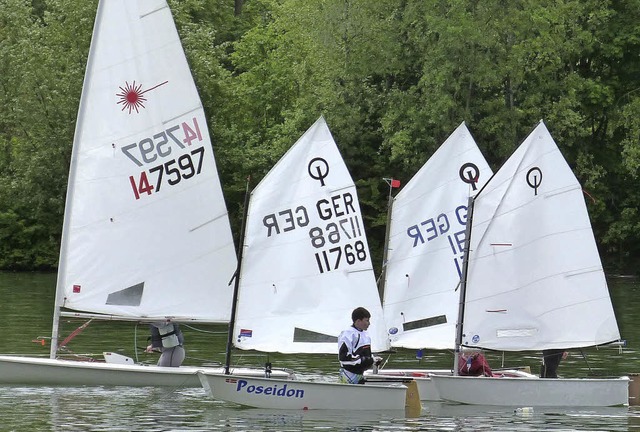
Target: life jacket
x,y
169,334
354,350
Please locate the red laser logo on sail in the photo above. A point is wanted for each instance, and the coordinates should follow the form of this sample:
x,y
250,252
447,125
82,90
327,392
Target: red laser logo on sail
x,y
132,96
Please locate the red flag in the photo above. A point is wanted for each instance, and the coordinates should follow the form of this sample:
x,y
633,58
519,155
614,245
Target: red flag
x,y
395,183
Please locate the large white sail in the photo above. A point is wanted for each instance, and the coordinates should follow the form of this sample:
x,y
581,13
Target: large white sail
x,y
535,279
306,261
426,244
146,232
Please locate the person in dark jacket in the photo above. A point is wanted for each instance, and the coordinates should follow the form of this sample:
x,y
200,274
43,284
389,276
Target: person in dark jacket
x,y
354,348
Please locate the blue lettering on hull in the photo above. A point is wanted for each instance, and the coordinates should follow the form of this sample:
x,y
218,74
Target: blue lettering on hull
x,y
274,390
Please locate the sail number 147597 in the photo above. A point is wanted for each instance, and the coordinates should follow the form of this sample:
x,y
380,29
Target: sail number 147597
x,y
147,151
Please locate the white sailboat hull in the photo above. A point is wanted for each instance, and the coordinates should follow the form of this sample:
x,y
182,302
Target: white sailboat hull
x,y
422,377
303,395
16,370
530,392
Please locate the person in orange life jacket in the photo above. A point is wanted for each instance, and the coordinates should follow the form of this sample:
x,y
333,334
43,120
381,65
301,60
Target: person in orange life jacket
x,y
354,349
167,338
551,359
474,364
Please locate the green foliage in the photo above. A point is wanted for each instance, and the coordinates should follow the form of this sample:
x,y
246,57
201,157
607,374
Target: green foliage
x,y
393,78
43,54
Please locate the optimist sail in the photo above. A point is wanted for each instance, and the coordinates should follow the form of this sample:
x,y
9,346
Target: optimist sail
x,y
306,262
426,243
535,280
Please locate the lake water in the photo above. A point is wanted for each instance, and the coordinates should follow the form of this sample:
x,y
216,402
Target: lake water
x,y
27,308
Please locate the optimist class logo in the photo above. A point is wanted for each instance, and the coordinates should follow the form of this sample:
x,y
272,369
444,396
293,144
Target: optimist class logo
x,y
132,96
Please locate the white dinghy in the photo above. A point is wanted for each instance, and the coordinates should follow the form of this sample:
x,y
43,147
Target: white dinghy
x,y
275,393
533,280
534,391
305,266
33,371
146,235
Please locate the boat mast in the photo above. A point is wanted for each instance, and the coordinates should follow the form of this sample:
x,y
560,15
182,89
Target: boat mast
x,y
236,285
463,285
73,168
383,271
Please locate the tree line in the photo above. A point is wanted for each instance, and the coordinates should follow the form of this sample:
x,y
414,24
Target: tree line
x,y
393,78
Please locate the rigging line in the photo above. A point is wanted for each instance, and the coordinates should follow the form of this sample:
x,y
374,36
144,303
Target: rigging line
x,y
216,363
584,356
174,389
382,366
203,331
89,357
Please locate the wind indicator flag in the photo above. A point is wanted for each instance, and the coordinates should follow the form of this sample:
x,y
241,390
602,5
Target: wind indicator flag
x,y
392,182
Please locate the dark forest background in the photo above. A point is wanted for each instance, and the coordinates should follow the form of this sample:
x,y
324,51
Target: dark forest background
x,y
393,79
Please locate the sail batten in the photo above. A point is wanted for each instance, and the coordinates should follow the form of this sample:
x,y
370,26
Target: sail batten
x,y
146,14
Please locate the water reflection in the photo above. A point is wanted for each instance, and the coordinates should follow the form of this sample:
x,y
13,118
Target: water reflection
x,y
151,409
